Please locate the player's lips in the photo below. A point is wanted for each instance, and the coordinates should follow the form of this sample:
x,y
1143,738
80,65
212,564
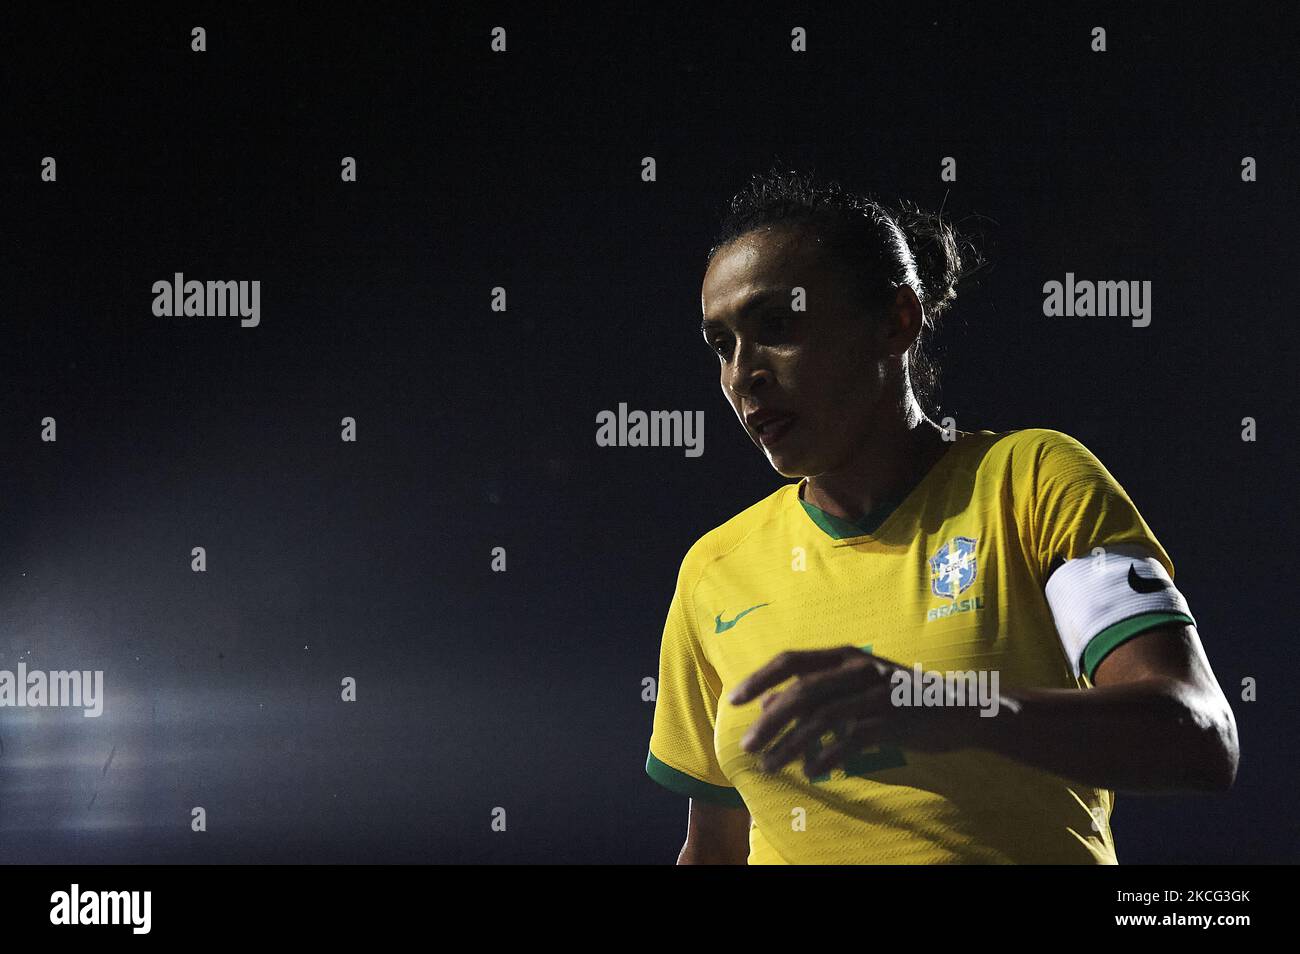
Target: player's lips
x,y
769,426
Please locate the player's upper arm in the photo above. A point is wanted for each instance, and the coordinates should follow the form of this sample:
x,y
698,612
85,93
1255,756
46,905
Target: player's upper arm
x,y
1106,577
1168,651
1172,654
715,835
682,756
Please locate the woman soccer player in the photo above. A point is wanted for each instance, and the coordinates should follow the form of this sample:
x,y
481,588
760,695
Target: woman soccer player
x,y
937,645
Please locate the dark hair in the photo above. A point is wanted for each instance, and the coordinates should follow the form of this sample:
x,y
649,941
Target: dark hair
x,y
886,248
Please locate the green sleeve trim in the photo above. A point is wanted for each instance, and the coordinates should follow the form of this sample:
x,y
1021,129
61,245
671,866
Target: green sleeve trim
x,y
683,784
1101,645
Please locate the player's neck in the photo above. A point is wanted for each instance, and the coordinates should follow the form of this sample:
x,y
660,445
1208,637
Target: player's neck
x,y
885,468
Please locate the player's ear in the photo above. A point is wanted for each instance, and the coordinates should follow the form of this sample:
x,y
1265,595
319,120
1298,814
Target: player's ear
x,y
905,317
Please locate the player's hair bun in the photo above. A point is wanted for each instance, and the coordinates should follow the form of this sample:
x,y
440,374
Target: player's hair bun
x,y
938,257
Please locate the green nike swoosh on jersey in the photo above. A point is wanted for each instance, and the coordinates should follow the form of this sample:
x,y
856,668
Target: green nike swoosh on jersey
x,y
722,627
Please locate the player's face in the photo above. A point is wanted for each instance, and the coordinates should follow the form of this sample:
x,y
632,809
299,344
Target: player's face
x,y
823,368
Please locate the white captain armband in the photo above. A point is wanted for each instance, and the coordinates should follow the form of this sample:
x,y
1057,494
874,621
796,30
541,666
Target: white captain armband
x,y
1103,599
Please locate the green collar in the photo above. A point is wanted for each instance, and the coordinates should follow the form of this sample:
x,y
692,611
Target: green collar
x,y
839,527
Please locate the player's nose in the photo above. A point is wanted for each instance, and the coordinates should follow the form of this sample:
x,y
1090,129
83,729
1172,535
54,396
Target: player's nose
x,y
748,373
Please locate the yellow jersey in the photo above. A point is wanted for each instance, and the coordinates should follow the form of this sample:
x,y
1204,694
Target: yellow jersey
x,y
953,578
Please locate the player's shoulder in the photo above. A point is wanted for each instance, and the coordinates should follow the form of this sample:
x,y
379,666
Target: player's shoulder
x,y
729,537
1031,450
1037,462
1035,440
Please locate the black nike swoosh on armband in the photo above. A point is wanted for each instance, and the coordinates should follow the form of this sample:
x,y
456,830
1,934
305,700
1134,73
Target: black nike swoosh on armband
x,y
1144,584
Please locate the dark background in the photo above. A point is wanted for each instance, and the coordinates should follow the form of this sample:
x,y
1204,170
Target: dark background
x,y
476,429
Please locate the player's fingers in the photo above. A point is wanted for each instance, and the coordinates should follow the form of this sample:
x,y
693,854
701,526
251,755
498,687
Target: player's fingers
x,y
863,720
800,700
853,738
872,702
859,722
795,742
781,668
824,759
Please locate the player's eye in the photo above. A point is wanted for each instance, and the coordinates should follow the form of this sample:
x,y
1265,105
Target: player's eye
x,y
776,324
720,347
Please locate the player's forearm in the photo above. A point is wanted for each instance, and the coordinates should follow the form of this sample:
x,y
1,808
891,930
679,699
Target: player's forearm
x,y
692,854
1148,736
